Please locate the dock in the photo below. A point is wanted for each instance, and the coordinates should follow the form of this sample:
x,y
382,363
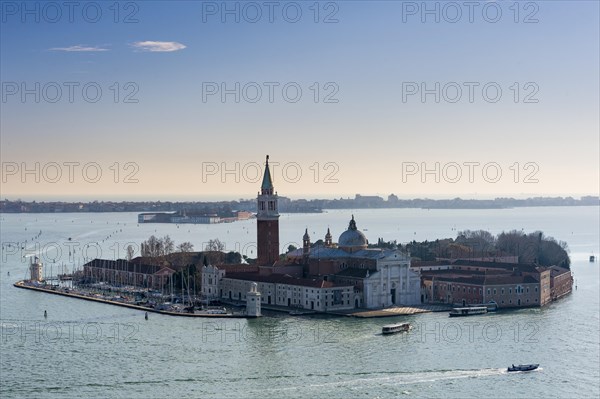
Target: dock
x,y
23,285
400,311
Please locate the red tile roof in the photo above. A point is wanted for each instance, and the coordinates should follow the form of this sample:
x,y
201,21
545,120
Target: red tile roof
x,y
236,268
122,265
557,271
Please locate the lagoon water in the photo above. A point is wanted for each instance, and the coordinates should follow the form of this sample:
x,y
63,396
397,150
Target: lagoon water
x,y
86,349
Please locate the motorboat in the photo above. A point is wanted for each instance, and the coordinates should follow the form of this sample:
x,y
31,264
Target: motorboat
x,y
395,328
523,367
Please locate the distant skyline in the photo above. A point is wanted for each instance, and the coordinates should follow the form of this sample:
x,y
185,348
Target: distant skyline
x,y
162,98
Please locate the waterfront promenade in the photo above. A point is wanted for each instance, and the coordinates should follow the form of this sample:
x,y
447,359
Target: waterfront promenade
x,y
360,313
364,313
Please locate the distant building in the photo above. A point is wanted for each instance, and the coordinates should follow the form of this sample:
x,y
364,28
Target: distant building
x,y
244,215
285,290
127,273
561,282
178,218
510,285
211,276
196,219
368,201
155,217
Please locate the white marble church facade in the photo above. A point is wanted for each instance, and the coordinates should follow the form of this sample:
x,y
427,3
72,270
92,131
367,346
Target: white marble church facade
x,y
393,283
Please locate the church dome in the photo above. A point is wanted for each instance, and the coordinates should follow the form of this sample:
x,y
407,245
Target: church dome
x,y
352,238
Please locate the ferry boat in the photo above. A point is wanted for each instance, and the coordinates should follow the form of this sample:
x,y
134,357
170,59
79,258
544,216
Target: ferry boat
x,y
469,311
491,306
395,328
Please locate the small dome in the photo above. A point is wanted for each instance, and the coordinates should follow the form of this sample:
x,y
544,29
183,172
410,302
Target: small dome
x,y
352,238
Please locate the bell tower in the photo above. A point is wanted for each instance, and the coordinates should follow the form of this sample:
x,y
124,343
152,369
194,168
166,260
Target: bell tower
x,y
328,239
267,221
306,243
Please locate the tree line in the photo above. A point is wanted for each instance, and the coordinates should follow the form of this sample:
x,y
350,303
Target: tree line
x,y
534,247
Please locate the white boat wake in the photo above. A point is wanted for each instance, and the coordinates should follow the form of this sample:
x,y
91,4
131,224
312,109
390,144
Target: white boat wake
x,y
402,378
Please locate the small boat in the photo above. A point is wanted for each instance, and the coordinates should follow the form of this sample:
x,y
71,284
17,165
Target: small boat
x,y
523,367
592,258
468,311
395,328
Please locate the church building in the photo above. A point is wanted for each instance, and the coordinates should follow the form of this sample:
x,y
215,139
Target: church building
x,y
381,277
332,276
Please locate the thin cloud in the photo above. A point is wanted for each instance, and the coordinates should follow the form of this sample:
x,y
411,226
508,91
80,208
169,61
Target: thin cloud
x,y
158,47
79,48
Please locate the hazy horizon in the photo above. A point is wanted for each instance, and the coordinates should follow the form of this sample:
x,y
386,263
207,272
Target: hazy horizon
x,y
346,98
148,198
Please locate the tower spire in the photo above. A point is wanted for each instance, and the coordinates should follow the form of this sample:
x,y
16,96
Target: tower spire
x,y
267,182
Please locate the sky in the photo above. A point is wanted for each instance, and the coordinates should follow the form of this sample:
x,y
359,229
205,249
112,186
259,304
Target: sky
x,y
168,100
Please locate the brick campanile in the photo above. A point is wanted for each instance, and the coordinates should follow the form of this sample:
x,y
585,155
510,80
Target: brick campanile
x,y
267,222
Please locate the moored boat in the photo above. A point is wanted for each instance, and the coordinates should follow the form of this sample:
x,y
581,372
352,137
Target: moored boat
x,y
523,367
395,328
468,311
